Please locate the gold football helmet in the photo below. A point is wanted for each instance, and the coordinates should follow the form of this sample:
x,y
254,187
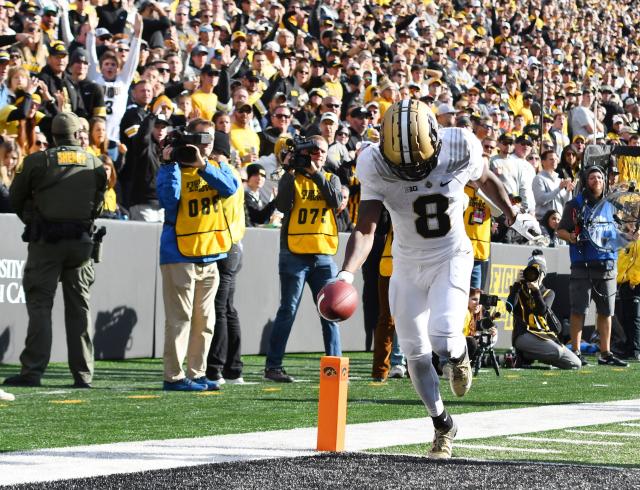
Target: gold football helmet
x,y
409,140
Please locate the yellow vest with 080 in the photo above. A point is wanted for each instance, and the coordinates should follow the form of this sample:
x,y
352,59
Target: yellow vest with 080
x,y
201,225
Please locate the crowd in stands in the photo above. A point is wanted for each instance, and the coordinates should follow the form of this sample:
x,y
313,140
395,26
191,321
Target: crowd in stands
x,y
536,81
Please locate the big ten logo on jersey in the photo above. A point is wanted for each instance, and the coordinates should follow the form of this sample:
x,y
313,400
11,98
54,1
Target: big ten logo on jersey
x,y
312,195
502,277
71,158
410,188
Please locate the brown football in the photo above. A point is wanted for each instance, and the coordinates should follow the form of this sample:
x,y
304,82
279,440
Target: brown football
x,y
337,301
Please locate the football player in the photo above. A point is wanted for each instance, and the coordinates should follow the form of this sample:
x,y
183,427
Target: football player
x,y
418,172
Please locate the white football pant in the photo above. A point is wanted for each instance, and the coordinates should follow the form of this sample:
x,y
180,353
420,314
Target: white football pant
x,y
429,304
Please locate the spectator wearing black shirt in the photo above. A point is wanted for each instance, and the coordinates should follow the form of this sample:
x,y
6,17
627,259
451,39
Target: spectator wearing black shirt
x,y
258,211
280,121
112,17
91,93
146,152
156,23
358,119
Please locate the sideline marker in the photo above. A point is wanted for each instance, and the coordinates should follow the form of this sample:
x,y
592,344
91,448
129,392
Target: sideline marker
x,y
332,403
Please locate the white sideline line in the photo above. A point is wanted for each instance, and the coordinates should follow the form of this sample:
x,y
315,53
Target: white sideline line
x,y
575,442
604,433
509,449
128,457
630,424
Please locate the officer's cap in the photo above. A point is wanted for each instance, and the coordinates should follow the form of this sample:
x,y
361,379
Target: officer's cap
x,y
65,124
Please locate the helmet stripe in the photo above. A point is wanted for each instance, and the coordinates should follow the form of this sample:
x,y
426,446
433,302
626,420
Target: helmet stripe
x,y
405,123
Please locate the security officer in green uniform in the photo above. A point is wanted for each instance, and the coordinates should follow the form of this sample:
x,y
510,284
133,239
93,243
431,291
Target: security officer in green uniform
x,y
58,193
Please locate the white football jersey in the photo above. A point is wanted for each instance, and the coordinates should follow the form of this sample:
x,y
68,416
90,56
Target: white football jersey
x,y
427,215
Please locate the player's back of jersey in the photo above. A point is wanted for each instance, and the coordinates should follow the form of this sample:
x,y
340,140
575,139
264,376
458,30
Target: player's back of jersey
x,y
427,214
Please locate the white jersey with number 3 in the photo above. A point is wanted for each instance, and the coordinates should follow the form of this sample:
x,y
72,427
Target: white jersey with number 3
x,y
427,215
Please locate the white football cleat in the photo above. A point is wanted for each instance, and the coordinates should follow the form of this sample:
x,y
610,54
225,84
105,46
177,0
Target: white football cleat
x,y
442,445
461,376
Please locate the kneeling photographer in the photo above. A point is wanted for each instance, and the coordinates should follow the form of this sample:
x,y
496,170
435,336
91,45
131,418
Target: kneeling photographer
x,y
308,196
195,235
534,324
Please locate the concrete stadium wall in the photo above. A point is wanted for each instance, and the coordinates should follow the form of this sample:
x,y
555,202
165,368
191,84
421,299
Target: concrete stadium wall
x,y
127,295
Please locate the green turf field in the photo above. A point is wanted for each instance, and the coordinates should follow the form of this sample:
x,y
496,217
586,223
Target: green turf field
x,y
127,403
610,445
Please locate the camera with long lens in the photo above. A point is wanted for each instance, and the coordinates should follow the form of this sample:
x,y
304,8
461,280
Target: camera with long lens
x,y
531,273
179,141
301,149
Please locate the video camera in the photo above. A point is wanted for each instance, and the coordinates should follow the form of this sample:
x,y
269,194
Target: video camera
x,y
484,337
179,140
301,149
488,301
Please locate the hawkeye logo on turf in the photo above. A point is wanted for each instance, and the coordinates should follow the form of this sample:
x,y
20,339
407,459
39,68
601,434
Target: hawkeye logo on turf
x,y
11,272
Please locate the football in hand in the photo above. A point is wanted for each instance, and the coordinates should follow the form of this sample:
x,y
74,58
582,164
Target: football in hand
x,y
337,301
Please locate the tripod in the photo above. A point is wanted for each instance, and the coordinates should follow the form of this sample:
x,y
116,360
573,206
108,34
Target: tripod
x,y
484,347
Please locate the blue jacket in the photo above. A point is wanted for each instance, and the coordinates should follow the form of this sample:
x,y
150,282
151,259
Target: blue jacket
x,y
584,251
168,184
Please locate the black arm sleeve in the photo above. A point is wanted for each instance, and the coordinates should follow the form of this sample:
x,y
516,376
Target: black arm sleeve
x,y
142,141
284,199
540,304
403,23
172,90
290,26
330,189
495,27
272,35
314,20
21,110
276,84
223,88
151,26
8,40
529,29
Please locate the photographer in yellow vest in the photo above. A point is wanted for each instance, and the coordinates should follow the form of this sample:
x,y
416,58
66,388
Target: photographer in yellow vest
x,y
308,197
195,235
